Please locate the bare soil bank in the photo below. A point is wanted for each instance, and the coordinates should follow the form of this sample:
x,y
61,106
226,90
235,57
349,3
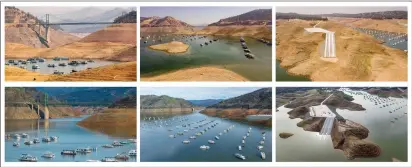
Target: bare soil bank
x,y
113,122
116,72
198,74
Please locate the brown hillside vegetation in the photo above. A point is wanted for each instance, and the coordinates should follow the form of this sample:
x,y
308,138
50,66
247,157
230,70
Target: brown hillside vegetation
x,y
360,57
118,33
113,122
394,25
255,31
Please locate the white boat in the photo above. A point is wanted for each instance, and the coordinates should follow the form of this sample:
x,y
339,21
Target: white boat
x,y
211,141
24,135
132,140
68,152
216,137
48,155
248,134
240,156
15,144
192,137
116,143
261,142
220,134
204,147
172,136
244,137
263,155
122,156
53,138
46,139
84,150
240,148
243,141
186,141
109,159
108,146
35,67
92,160
27,158
28,142
36,140
259,147
132,153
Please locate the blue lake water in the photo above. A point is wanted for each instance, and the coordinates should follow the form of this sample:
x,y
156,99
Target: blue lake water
x,y
157,146
70,136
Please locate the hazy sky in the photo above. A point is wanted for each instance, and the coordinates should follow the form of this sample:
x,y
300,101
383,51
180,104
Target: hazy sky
x,y
196,15
198,93
41,10
329,10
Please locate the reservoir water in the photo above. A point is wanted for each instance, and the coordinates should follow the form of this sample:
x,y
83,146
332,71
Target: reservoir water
x,y
70,136
227,53
157,146
44,69
282,74
307,146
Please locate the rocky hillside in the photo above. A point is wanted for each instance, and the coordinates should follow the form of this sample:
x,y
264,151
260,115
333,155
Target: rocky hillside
x,y
280,15
153,102
374,15
165,25
19,29
126,102
130,17
97,95
206,102
259,99
255,17
167,21
239,108
32,95
388,91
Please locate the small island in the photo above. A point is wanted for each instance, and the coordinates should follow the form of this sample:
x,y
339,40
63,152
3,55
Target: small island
x,y
171,47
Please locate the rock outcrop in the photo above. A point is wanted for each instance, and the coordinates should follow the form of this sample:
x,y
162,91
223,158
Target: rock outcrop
x,y
349,136
285,135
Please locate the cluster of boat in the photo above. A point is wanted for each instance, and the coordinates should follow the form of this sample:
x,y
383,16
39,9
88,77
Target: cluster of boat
x,y
22,63
394,104
392,38
259,147
49,155
248,52
29,142
267,42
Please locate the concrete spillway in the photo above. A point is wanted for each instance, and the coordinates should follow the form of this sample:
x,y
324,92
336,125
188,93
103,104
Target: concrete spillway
x,y
329,51
327,126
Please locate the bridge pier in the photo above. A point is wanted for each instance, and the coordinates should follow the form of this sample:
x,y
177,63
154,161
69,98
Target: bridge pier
x,y
46,113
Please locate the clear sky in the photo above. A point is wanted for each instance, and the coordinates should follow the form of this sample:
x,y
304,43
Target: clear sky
x,y
198,93
334,9
196,15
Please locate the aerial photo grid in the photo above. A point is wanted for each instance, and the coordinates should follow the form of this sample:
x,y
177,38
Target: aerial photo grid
x,y
205,83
